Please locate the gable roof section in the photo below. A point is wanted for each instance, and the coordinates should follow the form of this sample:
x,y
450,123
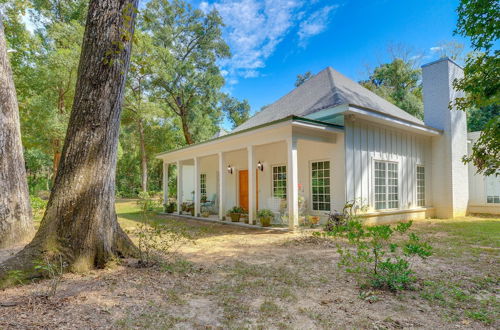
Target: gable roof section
x,y
327,89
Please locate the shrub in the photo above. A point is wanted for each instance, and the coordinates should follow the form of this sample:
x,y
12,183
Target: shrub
x,y
147,203
38,206
265,213
382,254
158,242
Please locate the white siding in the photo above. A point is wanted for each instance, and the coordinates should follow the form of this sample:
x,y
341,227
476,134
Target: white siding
x,y
366,142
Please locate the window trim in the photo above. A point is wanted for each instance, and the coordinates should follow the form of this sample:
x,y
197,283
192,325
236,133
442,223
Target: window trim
x,y
398,163
416,185
206,191
311,186
286,179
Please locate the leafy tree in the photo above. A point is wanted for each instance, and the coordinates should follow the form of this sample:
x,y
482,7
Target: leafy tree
x,y
302,78
188,43
479,20
237,111
137,107
477,119
399,83
80,226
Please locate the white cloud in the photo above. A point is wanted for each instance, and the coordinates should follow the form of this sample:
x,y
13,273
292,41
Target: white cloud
x,y
316,23
436,49
254,29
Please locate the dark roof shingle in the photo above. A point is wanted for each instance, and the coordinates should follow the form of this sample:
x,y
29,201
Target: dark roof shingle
x,y
327,89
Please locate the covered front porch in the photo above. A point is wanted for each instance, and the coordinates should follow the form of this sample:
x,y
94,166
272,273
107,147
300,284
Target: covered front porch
x,y
294,168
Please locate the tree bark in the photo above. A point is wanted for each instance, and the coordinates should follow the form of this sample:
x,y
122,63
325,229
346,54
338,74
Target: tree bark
x,y
185,130
80,223
16,224
144,158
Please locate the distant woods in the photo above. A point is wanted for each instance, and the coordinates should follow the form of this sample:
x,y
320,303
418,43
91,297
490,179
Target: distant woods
x,y
173,93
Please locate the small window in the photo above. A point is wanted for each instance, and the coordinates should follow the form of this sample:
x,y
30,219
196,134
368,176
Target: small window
x,y
420,186
386,185
320,174
203,186
279,181
492,184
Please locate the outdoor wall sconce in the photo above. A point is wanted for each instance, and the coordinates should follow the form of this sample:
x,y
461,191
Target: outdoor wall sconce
x,y
260,166
229,169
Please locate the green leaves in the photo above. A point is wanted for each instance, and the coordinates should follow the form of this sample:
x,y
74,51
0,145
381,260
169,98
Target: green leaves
x,y
399,83
479,20
382,253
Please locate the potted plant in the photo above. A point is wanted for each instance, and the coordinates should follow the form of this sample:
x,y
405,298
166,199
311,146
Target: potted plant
x,y
314,220
235,213
170,207
265,217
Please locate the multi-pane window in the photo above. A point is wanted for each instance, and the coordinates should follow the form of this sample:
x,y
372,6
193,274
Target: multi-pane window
x,y
492,184
203,186
279,181
320,174
386,185
420,186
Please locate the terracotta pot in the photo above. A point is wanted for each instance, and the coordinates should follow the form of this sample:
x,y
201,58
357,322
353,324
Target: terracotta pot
x,y
265,222
235,217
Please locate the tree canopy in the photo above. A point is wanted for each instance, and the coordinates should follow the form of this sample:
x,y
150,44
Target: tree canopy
x,y
479,20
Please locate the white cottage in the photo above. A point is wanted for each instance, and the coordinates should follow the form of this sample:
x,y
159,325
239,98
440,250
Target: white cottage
x,y
330,141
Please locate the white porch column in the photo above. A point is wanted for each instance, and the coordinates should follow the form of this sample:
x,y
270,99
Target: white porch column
x,y
293,184
165,182
196,186
251,186
179,187
222,185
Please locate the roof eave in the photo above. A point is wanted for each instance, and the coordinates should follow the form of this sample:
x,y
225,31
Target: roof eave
x,y
291,118
356,109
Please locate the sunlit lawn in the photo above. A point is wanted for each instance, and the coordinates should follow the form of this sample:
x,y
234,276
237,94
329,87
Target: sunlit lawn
x,y
458,284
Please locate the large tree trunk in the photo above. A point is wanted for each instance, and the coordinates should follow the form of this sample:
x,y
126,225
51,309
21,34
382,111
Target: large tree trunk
x,y
16,223
144,158
185,130
80,222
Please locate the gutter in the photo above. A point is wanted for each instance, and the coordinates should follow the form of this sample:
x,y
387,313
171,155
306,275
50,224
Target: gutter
x,y
385,116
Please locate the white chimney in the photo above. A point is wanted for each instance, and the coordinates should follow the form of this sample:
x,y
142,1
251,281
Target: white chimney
x,y
450,185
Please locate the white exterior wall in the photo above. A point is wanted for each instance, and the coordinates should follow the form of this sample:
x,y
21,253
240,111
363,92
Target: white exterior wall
x,y
478,189
366,142
210,167
451,191
187,182
309,151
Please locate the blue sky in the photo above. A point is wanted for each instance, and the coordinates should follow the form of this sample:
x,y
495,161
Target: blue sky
x,y
274,40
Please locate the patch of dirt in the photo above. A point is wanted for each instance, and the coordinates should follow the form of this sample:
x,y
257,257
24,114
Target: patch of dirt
x,y
231,278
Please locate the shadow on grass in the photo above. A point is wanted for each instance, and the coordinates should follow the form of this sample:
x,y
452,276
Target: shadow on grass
x,y
130,216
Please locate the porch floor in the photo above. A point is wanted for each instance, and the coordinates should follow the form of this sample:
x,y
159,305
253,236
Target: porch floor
x,y
214,219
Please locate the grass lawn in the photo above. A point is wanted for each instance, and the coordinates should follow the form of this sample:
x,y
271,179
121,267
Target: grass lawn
x,y
232,277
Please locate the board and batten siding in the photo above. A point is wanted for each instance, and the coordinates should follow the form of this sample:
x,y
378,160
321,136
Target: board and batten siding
x,y
366,143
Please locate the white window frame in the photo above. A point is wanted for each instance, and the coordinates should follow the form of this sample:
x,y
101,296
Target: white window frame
x,y
286,180
490,199
416,186
329,186
203,182
386,161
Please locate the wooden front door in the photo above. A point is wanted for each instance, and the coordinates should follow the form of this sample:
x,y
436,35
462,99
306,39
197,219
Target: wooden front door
x,y
243,187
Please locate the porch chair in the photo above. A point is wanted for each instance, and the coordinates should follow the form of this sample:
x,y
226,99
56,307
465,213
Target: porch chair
x,y
211,204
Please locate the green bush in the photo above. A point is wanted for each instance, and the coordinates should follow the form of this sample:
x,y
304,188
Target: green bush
x,y
381,255
148,203
236,209
38,206
265,213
